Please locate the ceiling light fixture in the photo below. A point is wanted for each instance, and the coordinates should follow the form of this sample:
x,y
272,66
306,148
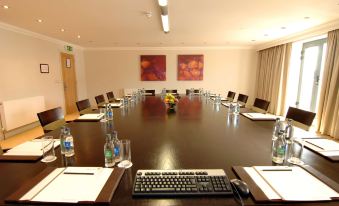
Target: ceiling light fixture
x,y
164,15
62,30
5,6
39,20
283,27
79,36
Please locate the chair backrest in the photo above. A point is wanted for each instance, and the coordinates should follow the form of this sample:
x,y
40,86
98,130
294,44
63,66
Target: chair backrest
x,y
172,91
150,92
110,96
100,100
84,106
242,98
1,151
51,119
302,118
195,91
260,105
230,96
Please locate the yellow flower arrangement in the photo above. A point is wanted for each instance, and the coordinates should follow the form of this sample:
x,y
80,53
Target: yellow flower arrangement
x,y
170,99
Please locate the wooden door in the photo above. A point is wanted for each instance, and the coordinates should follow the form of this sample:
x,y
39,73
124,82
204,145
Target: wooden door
x,y
70,85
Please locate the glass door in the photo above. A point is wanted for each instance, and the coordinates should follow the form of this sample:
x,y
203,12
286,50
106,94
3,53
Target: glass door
x,y
312,60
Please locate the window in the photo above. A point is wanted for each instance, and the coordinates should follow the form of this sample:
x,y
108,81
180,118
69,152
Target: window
x,y
306,68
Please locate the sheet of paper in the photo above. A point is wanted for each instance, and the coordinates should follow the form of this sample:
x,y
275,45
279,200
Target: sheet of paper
x,y
266,188
42,184
325,144
295,184
118,104
91,116
330,153
30,148
75,187
260,116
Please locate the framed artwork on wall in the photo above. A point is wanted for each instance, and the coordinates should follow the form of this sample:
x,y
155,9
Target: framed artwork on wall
x,y
44,68
153,67
190,67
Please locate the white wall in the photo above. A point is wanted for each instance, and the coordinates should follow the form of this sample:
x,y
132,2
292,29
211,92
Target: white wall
x,y
225,69
21,54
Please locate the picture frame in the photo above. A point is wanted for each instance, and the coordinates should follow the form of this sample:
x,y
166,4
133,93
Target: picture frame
x,y
44,68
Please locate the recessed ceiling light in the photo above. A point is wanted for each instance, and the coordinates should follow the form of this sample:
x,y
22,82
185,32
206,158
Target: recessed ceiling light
x,y
62,30
39,20
265,34
79,36
306,17
5,6
253,40
283,27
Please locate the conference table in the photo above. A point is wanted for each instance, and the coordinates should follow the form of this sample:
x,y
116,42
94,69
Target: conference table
x,y
197,135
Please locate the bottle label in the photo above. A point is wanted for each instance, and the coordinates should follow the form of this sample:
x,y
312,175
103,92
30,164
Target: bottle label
x,y
116,151
281,151
67,145
108,154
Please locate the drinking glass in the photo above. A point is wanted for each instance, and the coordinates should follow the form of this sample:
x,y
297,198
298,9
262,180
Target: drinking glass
x,y
296,151
103,111
125,154
48,154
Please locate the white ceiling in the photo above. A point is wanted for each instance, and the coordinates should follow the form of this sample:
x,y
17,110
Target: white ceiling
x,y
123,23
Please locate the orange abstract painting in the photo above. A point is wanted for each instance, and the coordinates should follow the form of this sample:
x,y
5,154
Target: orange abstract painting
x,y
153,67
190,67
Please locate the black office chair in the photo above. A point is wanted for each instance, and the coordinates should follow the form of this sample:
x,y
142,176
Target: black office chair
x,y
51,119
173,91
230,96
110,97
242,99
100,100
260,105
301,118
84,106
150,92
195,91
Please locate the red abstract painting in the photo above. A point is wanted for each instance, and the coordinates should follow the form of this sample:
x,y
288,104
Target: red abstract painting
x,y
153,67
190,67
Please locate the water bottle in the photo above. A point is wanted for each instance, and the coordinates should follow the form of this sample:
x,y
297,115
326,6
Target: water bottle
x,y
237,108
278,148
108,152
117,146
62,139
109,113
231,108
68,142
276,129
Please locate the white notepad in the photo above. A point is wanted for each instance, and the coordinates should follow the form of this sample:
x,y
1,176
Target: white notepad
x,y
30,148
324,144
290,183
81,184
259,116
117,104
91,116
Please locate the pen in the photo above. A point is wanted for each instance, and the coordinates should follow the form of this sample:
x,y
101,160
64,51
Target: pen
x,y
78,173
314,145
269,170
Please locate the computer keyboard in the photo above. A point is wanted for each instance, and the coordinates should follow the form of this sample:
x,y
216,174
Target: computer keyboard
x,y
193,182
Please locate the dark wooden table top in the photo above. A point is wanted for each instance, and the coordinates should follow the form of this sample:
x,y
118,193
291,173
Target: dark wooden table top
x,y
199,135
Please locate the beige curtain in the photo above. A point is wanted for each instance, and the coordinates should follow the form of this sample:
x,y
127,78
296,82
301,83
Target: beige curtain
x,y
328,112
272,73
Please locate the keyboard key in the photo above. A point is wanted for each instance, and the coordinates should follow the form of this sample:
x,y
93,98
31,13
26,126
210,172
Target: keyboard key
x,y
163,190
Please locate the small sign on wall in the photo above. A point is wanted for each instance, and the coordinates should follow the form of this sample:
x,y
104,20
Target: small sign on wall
x,y
68,63
44,68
